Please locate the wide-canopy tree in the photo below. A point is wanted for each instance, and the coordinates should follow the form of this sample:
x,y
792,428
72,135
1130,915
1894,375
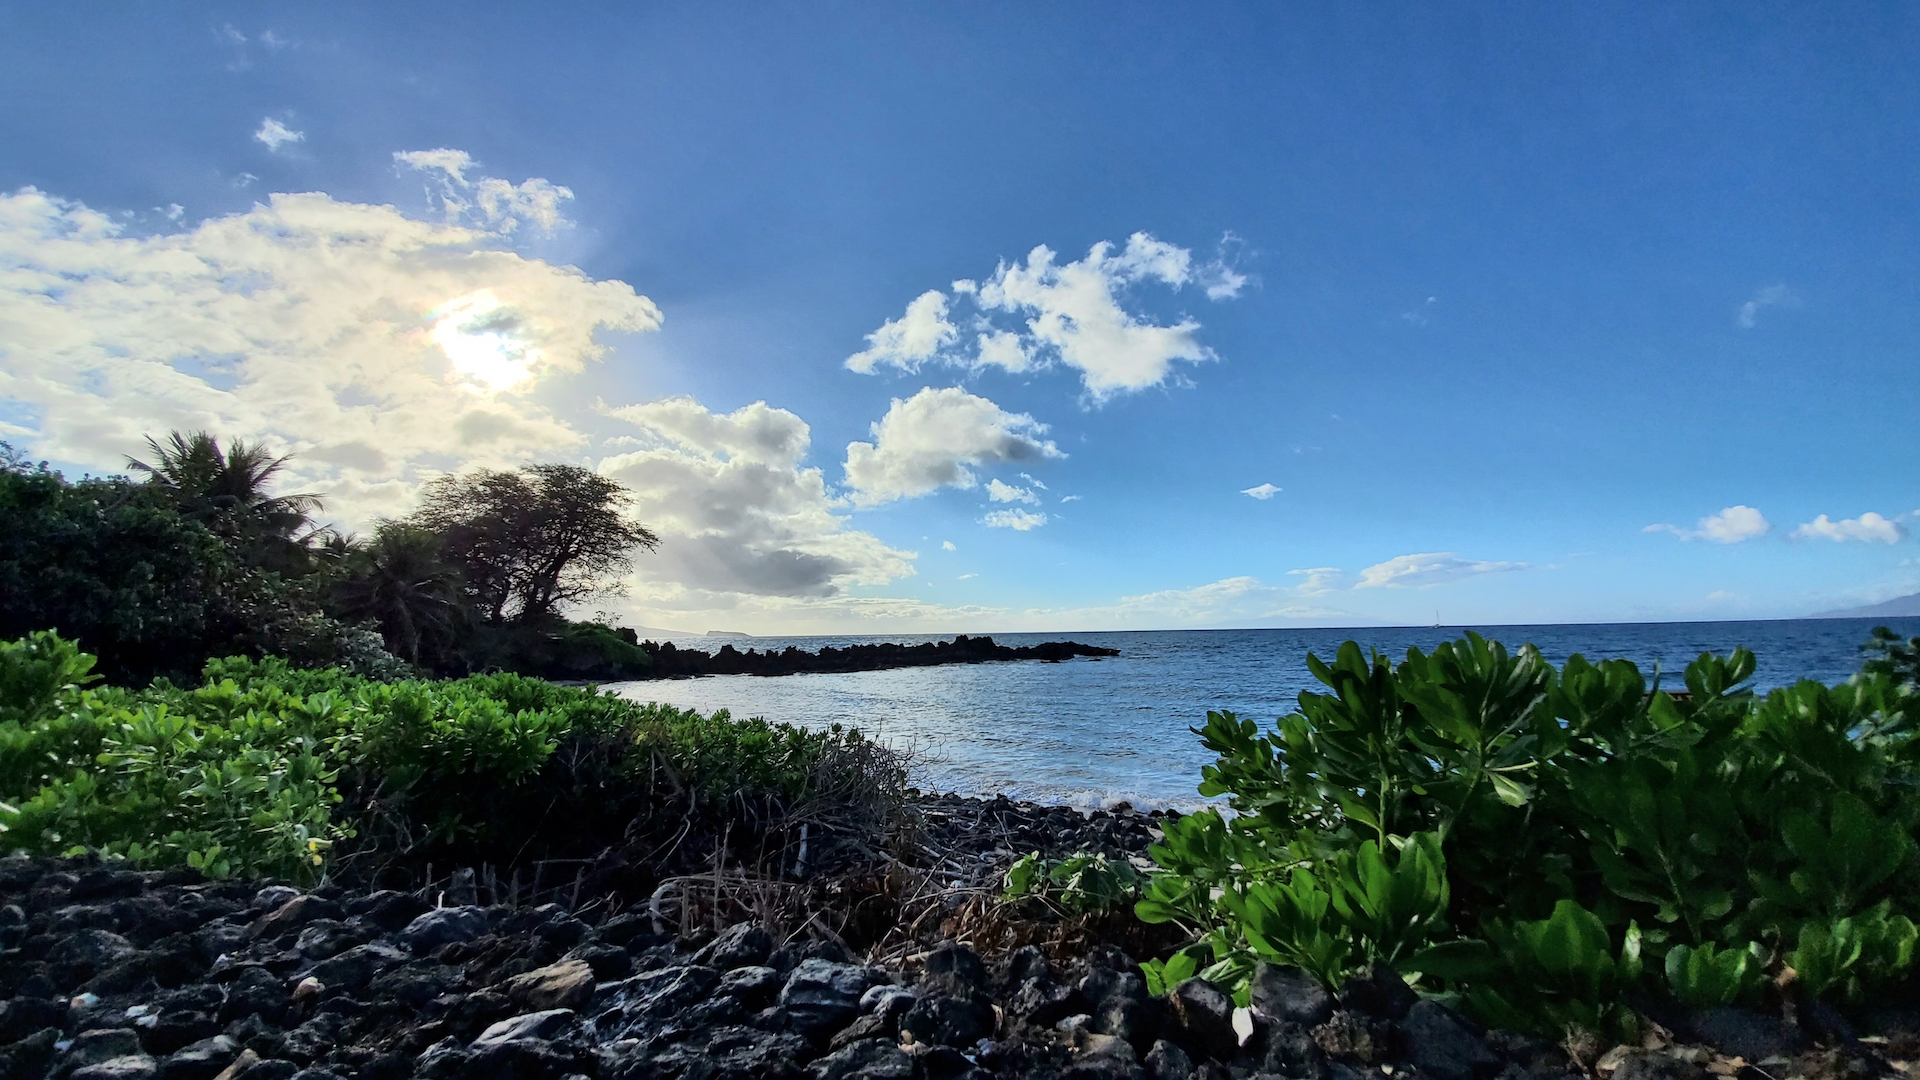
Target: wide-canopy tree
x,y
530,540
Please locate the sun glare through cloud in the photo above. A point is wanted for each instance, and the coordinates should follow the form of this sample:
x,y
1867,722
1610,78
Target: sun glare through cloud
x,y
477,332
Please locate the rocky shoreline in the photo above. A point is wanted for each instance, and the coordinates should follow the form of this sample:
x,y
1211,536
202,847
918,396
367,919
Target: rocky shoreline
x,y
109,973
672,662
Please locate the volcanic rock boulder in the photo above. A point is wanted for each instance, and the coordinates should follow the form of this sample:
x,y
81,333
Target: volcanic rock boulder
x,y
1444,1045
1203,1014
742,945
1290,995
820,996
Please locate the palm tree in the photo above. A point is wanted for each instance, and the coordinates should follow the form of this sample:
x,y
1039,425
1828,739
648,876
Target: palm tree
x,y
229,487
400,583
226,490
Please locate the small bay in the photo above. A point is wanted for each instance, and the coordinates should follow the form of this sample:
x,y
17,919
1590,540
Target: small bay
x,y
1093,733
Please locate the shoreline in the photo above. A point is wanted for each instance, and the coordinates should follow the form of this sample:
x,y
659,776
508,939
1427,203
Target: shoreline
x,y
669,661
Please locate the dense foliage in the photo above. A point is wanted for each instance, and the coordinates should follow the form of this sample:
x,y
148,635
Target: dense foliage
x,y
203,559
1545,845
148,589
267,769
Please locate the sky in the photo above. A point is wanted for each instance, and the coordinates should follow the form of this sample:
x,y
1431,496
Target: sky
x,y
997,317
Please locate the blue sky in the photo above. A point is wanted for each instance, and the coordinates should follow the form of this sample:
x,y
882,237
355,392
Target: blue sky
x,y
1485,293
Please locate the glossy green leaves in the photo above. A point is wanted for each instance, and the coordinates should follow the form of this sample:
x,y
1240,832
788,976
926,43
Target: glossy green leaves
x,y
1586,818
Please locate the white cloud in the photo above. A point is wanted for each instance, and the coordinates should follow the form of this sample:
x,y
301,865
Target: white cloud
x,y
486,202
1263,492
1006,493
911,340
1015,519
1235,601
1071,498
276,134
1870,527
947,545
737,513
966,577
1749,313
1320,580
1426,570
927,441
1073,313
1729,526
317,326
1002,349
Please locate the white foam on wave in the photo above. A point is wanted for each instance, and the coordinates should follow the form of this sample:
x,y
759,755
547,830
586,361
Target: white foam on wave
x,y
1088,800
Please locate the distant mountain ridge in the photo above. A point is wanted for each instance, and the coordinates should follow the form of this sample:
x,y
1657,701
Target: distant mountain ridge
x,y
1900,607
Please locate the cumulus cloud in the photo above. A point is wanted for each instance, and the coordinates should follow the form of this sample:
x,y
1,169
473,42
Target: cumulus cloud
x,y
911,340
1729,526
736,510
486,202
1073,313
1427,569
1015,519
927,441
376,348
1869,527
1749,314
275,134
1074,310
1006,493
947,545
1263,492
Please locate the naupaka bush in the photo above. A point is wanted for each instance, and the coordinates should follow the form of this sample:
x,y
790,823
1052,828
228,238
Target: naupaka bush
x,y
268,769
1542,844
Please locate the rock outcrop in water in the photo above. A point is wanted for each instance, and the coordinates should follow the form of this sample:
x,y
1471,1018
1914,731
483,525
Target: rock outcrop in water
x,y
670,661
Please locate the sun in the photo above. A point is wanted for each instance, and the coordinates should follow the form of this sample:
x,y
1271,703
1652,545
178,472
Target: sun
x,y
481,337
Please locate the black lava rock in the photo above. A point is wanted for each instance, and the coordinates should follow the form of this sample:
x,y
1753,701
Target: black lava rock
x,y
955,970
1381,992
1743,1033
1442,1044
1203,1014
201,1060
741,945
1290,995
948,1021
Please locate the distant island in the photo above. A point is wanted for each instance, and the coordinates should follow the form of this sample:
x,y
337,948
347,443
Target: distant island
x,y
1900,607
671,662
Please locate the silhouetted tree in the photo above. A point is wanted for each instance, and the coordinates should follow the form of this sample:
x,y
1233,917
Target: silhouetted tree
x,y
530,540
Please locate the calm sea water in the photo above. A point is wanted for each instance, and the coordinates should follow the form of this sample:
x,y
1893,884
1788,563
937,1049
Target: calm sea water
x,y
1094,732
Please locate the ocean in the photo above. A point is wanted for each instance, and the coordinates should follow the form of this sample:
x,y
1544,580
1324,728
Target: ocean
x,y
1093,733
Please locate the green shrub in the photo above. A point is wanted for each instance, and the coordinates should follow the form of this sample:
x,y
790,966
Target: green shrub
x,y
265,768
1519,835
1083,883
